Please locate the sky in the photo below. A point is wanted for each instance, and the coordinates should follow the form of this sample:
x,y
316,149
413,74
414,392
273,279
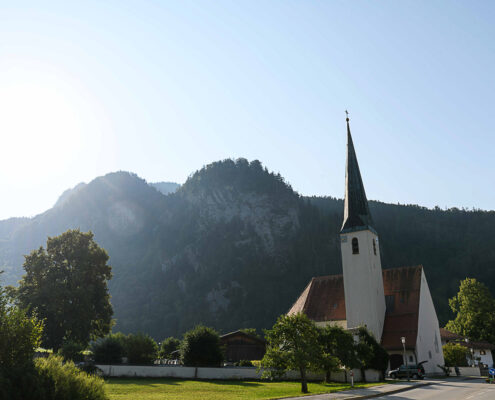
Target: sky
x,y
162,88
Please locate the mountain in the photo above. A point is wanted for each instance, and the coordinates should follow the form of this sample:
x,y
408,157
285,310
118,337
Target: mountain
x,y
165,187
234,245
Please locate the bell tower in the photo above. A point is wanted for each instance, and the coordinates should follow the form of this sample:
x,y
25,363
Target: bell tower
x,y
362,268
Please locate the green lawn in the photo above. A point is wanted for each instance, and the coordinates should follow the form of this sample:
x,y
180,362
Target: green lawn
x,y
179,389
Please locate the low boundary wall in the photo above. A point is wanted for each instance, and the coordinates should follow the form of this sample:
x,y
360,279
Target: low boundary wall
x,y
180,372
466,371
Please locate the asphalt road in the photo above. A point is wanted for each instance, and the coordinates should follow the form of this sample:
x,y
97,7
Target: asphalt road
x,y
475,389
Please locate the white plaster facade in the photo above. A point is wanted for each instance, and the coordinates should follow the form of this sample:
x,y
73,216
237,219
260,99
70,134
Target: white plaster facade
x,y
428,341
363,282
484,357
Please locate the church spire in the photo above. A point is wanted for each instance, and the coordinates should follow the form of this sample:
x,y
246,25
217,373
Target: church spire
x,y
357,215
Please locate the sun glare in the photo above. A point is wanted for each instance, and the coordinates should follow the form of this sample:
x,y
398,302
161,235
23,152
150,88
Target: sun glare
x,y
40,130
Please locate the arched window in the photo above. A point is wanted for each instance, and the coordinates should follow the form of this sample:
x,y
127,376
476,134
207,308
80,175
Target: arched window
x,y
374,246
355,246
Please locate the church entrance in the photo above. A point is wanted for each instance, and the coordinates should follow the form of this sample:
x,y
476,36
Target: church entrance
x,y
396,361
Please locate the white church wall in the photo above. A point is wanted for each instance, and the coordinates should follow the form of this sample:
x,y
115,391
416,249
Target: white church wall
x,y
363,282
428,343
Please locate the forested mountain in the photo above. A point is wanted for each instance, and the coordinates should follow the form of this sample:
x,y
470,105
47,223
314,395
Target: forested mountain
x,y
234,246
165,187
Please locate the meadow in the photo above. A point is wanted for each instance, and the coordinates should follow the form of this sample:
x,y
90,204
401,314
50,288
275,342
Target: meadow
x,y
180,389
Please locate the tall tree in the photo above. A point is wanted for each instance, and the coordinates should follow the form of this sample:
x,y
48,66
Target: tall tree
x,y
474,308
339,349
371,353
292,345
66,286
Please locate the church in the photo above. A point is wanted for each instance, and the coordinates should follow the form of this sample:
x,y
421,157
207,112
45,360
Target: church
x,y
392,303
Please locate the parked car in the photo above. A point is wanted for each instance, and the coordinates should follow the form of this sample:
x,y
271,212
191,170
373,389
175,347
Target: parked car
x,y
416,371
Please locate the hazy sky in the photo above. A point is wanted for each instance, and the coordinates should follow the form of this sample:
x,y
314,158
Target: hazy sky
x,y
162,88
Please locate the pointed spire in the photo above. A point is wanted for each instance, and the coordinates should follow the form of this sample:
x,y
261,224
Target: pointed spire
x,y
356,212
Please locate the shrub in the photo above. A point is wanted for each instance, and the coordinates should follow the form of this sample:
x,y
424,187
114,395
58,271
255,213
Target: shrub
x,y
245,363
141,349
72,351
201,348
20,334
455,354
110,349
66,381
168,346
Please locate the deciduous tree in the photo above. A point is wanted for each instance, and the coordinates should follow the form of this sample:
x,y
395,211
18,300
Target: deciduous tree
x,y
168,346
339,349
292,345
474,308
201,348
66,286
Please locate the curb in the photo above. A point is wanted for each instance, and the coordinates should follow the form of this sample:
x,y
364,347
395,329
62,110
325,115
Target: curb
x,y
370,396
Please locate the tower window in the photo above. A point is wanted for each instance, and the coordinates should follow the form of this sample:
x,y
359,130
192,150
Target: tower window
x,y
355,246
374,246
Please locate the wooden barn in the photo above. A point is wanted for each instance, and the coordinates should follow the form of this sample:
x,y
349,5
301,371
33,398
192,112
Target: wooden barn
x,y
239,346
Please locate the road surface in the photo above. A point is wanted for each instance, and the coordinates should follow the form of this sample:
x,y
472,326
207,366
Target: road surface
x,y
475,389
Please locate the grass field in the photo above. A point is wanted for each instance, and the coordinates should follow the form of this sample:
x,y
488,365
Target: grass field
x,y
179,389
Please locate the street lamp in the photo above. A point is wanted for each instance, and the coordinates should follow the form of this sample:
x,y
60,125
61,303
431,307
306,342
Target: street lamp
x,y
403,340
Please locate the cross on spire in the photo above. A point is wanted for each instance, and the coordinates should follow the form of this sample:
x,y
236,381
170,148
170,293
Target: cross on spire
x,y
347,115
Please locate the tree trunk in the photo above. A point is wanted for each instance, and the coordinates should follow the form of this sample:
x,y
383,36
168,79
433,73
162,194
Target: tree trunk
x,y
304,383
345,375
363,375
327,376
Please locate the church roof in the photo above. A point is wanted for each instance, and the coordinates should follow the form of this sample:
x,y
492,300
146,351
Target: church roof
x,y
324,300
356,211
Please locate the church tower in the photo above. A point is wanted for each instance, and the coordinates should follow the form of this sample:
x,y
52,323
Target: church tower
x,y
362,268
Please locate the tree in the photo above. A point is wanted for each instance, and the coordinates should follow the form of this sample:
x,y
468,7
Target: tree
x,y
474,308
455,355
20,335
372,354
201,348
292,345
250,331
66,286
110,349
168,346
339,349
141,349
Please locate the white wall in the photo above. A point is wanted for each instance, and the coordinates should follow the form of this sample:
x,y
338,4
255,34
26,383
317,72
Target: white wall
x,y
172,371
466,371
428,342
484,358
363,282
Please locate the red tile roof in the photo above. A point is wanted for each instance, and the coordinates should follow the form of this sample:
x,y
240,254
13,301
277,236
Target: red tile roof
x,y
324,300
449,336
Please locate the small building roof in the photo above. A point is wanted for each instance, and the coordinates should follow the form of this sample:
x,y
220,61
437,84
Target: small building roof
x,y
244,334
323,299
448,336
